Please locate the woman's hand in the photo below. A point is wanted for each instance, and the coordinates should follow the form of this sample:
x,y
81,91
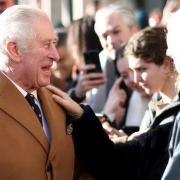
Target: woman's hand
x,y
72,108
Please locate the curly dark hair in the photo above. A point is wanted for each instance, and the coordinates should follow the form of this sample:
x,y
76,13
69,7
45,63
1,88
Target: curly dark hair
x,y
148,44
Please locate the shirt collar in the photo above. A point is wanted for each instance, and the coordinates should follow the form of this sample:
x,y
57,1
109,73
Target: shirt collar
x,y
22,91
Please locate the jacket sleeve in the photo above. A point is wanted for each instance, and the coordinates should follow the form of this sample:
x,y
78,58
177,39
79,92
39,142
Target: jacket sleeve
x,y
101,157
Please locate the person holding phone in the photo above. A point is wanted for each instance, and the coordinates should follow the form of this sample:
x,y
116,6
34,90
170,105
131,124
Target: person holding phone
x,y
114,24
82,38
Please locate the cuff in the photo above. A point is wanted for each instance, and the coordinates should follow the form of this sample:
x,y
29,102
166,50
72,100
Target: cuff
x,y
72,94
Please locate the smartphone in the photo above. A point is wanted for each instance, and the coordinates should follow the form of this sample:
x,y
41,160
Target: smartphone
x,y
122,85
92,57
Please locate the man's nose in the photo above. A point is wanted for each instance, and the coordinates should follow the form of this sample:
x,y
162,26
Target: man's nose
x,y
54,54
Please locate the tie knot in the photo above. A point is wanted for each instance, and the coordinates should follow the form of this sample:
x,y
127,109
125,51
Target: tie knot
x,y
30,98
29,95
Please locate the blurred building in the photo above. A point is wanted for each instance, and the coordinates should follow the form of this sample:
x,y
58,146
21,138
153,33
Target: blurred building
x,y
65,11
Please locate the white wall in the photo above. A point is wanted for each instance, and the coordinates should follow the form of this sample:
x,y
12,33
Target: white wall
x,y
43,4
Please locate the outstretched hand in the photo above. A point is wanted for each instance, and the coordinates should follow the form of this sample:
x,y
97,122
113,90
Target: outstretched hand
x,y
72,108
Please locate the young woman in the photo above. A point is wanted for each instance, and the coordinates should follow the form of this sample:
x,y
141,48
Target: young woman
x,y
153,71
146,157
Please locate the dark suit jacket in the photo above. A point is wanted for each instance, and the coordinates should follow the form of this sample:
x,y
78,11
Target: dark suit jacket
x,y
24,150
142,159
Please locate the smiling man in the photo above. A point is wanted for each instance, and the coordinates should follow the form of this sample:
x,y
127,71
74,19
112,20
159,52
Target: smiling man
x,y
34,143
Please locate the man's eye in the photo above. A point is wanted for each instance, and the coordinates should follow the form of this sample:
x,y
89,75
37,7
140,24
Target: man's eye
x,y
55,42
47,45
116,32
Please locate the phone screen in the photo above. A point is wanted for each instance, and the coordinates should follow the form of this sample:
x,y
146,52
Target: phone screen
x,y
92,57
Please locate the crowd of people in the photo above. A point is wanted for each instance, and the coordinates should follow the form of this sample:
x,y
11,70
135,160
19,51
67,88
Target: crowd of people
x,y
72,122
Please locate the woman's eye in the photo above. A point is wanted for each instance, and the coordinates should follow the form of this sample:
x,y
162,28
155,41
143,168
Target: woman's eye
x,y
142,69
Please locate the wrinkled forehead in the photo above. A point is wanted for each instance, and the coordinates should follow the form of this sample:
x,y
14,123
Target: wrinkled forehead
x,y
44,27
109,22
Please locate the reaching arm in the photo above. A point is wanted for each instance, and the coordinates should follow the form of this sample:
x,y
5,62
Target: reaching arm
x,y
106,160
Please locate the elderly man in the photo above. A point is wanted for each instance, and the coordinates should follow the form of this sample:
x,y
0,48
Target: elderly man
x,y
114,25
34,142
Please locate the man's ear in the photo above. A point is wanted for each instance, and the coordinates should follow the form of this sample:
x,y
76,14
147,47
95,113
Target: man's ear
x,y
13,51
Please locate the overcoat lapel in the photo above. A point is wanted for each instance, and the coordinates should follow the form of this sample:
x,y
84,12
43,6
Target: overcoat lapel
x,y
61,142
15,105
55,120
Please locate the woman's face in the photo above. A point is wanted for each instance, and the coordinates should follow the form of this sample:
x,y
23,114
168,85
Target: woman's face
x,y
150,76
127,75
123,69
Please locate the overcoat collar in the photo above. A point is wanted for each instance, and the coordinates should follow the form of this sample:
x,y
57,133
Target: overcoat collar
x,y
16,106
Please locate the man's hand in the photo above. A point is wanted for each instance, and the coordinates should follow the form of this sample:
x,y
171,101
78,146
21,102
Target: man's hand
x,y
88,81
72,108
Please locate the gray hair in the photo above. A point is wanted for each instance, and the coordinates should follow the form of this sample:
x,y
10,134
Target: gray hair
x,y
123,11
16,23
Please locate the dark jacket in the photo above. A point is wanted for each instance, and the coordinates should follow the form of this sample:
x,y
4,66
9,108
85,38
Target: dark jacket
x,y
142,159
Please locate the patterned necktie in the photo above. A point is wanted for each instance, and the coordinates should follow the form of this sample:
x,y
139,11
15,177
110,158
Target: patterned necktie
x,y
31,100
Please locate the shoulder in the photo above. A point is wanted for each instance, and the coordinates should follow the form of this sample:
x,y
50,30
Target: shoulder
x,y
48,103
